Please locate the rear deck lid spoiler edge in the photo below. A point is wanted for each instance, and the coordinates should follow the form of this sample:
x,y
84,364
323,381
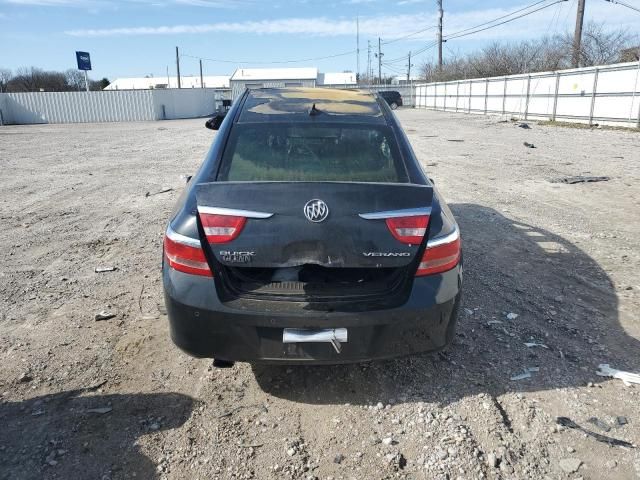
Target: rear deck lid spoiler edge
x,y
409,212
233,212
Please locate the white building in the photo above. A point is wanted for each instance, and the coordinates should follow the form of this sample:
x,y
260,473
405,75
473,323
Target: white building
x,y
335,79
189,81
402,79
250,78
244,78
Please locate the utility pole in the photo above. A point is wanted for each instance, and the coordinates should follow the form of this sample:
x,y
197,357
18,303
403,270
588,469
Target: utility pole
x,y
357,48
440,15
178,65
379,62
577,37
201,82
409,68
368,60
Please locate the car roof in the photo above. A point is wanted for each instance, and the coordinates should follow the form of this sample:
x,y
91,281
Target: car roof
x,y
311,105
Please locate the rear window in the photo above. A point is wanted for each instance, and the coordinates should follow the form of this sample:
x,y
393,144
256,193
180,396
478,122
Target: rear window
x,y
283,152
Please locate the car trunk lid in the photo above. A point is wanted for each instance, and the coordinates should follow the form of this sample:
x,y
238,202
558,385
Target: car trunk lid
x,y
288,224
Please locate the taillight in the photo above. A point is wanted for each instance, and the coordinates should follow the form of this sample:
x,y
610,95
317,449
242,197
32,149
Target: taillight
x,y
409,230
221,228
441,254
185,254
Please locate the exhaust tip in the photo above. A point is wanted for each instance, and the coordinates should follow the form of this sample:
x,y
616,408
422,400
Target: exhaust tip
x,y
218,363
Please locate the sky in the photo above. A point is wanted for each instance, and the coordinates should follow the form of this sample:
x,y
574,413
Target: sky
x,y
128,38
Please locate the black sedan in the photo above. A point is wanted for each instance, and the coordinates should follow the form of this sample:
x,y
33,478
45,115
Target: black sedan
x,y
310,234
392,97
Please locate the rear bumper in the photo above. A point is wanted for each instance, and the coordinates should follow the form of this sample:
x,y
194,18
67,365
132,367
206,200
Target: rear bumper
x,y
251,330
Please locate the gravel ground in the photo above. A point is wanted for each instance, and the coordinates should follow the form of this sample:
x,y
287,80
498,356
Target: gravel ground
x,y
545,263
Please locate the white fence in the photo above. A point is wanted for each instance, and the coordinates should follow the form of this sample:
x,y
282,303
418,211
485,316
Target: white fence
x,y
605,95
3,109
107,106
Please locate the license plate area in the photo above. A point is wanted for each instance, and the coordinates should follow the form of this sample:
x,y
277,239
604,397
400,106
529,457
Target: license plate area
x,y
335,336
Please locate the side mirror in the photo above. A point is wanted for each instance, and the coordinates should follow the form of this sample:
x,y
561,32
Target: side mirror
x,y
214,122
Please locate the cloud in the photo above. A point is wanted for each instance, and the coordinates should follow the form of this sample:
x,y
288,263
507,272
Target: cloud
x,y
556,19
112,3
312,26
215,3
49,3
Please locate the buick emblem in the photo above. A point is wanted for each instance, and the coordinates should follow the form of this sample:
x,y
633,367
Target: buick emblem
x,y
316,210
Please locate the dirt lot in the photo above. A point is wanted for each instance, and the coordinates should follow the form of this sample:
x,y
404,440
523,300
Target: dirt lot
x,y
82,398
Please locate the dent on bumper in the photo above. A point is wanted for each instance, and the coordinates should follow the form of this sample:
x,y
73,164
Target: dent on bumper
x,y
252,331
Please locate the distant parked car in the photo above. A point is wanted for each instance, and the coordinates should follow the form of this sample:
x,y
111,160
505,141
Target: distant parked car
x,y
392,97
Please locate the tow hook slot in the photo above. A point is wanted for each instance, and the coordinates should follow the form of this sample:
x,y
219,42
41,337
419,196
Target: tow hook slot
x,y
335,336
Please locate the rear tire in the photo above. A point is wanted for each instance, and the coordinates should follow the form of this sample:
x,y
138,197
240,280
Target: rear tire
x,y
393,105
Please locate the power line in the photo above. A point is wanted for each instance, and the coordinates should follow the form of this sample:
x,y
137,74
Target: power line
x,y
380,54
394,70
409,35
552,25
542,44
428,46
357,48
623,4
487,25
479,25
453,54
396,60
398,70
440,15
414,53
369,71
569,10
391,67
369,75
527,62
500,18
425,49
460,35
300,60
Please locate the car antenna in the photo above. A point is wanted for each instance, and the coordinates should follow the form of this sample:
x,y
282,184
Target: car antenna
x,y
313,111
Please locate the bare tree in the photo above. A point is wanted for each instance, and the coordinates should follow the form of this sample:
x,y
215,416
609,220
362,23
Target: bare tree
x,y
599,47
5,76
34,79
99,84
75,79
24,80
